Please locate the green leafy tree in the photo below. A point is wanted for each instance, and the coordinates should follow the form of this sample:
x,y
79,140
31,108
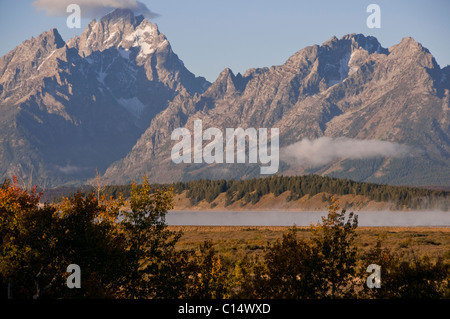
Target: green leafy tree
x,y
90,238
288,270
209,278
333,242
417,278
323,266
28,266
38,243
150,243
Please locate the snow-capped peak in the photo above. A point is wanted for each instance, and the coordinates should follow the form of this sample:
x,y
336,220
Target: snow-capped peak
x,y
122,30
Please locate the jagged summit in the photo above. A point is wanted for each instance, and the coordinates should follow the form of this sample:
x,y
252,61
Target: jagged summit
x,y
52,38
122,15
357,41
120,29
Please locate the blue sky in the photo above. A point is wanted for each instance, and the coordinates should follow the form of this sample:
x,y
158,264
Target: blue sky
x,y
210,35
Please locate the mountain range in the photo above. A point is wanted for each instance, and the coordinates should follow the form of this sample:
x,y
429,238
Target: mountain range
x,y
109,100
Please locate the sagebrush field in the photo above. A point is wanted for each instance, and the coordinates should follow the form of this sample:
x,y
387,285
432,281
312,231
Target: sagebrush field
x,y
235,242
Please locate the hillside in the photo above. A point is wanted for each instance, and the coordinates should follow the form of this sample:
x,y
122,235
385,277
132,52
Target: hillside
x,y
270,202
301,193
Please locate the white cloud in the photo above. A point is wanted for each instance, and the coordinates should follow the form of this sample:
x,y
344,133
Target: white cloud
x,y
69,169
324,150
92,8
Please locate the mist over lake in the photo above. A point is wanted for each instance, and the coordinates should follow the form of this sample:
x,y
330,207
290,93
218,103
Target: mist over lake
x,y
286,218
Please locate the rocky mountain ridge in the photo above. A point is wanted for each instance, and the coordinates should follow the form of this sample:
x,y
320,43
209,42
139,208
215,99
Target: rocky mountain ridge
x,y
109,99
70,108
351,87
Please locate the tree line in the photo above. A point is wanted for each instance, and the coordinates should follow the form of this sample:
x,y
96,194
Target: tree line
x,y
131,253
252,190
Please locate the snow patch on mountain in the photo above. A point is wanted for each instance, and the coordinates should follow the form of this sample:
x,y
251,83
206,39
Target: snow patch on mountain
x,y
101,77
144,37
124,53
133,105
343,70
46,59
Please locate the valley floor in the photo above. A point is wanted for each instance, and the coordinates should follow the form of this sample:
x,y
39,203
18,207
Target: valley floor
x,y
235,242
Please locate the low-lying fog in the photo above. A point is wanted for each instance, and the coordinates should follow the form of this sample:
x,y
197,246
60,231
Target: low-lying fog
x,y
283,218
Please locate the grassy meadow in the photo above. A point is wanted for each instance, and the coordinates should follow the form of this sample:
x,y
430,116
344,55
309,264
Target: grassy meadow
x,y
233,243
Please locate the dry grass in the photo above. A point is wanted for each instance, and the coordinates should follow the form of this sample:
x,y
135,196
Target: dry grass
x,y
272,202
236,242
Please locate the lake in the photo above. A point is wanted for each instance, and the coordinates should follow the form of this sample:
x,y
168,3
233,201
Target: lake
x,y
286,218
